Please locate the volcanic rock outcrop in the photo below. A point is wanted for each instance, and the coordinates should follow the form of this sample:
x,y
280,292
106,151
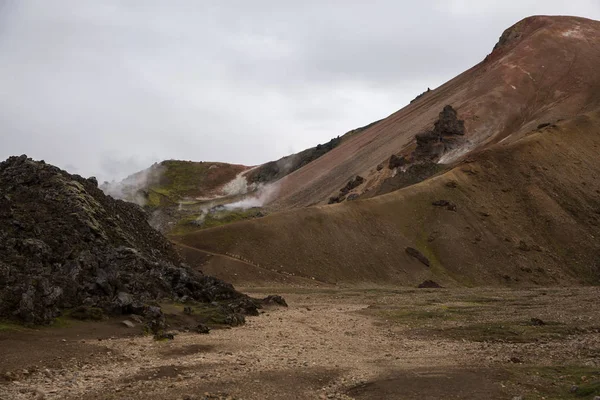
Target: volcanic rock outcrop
x,y
445,136
352,184
64,244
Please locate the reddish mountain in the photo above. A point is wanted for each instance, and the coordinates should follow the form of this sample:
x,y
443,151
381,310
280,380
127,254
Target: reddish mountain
x,y
542,69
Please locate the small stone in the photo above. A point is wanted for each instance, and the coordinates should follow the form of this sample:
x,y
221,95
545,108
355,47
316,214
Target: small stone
x,y
128,323
537,322
429,284
574,389
203,329
136,318
164,336
523,246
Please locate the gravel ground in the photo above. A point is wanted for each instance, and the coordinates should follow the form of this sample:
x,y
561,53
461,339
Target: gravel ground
x,y
334,343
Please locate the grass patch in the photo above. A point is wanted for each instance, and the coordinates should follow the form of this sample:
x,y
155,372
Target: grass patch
x,y
63,321
227,217
208,314
6,326
181,178
195,222
555,382
405,316
483,300
512,332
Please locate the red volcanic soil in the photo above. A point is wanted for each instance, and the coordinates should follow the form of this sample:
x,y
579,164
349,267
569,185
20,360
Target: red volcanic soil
x,y
542,69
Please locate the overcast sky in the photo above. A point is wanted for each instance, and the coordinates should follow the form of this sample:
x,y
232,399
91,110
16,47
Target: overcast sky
x,y
108,87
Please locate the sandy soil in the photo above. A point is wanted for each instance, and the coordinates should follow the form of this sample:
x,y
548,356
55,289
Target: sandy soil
x,y
331,343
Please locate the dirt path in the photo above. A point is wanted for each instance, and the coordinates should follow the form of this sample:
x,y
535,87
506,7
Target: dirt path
x,y
236,269
239,260
327,344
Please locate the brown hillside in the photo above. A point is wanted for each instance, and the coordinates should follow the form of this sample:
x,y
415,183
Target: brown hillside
x,y
542,69
526,212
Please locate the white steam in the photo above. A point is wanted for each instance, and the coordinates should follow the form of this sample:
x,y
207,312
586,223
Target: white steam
x,y
132,188
239,185
262,195
455,154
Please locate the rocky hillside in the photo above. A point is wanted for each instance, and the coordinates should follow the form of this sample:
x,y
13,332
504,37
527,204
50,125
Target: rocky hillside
x,y
522,212
274,170
64,244
543,69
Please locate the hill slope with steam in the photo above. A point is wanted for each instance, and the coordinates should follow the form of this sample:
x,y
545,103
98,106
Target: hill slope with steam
x,y
171,182
512,195
521,212
188,195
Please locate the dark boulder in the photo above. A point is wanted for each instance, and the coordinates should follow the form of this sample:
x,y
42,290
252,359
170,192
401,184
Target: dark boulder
x,y
202,329
274,300
336,199
445,203
429,284
164,336
244,306
353,196
352,184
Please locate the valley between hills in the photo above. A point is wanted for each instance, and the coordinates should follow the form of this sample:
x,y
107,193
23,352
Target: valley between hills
x,y
449,250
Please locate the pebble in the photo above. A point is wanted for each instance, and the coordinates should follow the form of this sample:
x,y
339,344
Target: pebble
x,y
128,323
574,388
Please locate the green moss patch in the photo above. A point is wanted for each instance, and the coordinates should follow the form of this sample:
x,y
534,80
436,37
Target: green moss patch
x,y
195,222
558,382
7,326
513,332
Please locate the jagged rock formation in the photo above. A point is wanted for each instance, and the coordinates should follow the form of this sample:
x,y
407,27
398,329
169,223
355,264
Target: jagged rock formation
x,y
445,136
352,184
396,161
64,244
421,95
